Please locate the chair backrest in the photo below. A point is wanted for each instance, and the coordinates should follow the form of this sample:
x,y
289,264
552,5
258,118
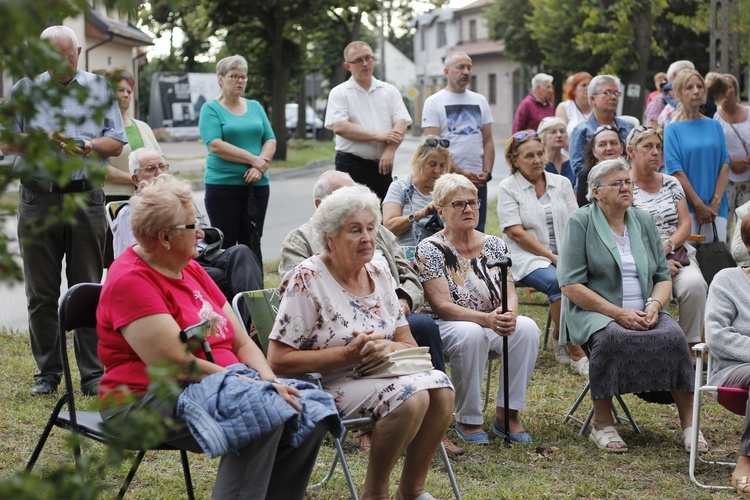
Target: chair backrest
x,y
77,310
113,208
263,306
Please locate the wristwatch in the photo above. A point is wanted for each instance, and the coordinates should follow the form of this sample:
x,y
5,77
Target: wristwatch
x,y
489,175
671,244
410,218
651,299
275,380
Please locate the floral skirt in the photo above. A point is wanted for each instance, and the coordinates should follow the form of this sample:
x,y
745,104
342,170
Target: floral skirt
x,y
364,397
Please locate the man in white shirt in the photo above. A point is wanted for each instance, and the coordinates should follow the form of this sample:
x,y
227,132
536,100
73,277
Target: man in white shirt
x,y
463,117
369,119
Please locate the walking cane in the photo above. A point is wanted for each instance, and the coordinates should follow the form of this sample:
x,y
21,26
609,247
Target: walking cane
x,y
504,265
195,336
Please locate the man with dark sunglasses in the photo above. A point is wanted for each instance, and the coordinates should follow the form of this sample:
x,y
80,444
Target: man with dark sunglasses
x,y
464,118
604,95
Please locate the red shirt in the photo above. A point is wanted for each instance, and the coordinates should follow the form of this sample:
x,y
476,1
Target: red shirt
x,y
133,290
530,112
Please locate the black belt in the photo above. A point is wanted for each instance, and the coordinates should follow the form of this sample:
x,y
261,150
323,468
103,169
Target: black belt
x,y
79,186
356,158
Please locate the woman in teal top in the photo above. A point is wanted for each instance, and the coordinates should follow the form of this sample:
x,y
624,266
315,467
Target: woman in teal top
x,y
240,145
695,152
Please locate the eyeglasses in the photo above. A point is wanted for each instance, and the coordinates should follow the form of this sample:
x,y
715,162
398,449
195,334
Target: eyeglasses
x,y
618,184
194,225
610,93
237,78
460,206
433,143
360,60
151,169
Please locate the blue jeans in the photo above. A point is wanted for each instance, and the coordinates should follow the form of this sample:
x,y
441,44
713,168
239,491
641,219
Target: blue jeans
x,y
544,280
227,208
44,244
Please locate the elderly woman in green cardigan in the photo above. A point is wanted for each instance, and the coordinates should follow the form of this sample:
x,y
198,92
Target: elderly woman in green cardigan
x,y
615,283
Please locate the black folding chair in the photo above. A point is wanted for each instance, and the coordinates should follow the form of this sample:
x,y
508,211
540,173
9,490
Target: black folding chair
x,y
78,310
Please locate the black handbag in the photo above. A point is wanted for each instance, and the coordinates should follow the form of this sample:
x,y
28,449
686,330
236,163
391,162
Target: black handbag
x,y
680,255
420,230
713,257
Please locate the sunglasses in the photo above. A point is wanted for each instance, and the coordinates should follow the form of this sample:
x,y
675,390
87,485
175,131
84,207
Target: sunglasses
x,y
433,143
520,137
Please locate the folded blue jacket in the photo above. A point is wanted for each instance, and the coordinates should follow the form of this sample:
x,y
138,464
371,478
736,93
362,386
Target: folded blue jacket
x,y
226,412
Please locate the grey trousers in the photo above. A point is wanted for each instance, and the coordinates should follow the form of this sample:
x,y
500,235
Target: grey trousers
x,y
44,244
740,377
263,469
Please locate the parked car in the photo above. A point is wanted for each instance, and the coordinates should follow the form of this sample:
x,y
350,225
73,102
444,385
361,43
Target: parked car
x,y
314,126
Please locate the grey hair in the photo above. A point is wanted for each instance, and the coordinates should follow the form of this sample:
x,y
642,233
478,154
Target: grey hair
x,y
337,207
602,170
227,64
449,184
539,79
547,123
134,158
450,57
325,184
600,80
160,204
57,32
676,67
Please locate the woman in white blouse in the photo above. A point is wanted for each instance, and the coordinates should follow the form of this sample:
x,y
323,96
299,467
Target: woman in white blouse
x,y
534,207
734,118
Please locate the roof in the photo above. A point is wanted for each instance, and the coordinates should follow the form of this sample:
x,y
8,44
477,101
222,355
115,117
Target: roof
x,y
474,6
127,33
444,14
484,47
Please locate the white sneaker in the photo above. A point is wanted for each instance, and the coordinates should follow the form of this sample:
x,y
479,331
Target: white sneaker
x,y
581,367
562,355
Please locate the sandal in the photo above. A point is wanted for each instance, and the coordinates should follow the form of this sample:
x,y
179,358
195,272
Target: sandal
x,y
741,484
607,436
687,440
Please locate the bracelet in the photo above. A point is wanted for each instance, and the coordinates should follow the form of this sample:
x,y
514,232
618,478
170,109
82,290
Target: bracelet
x,y
715,198
275,380
651,299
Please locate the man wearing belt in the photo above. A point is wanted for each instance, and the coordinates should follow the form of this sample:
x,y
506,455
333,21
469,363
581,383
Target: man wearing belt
x,y
86,130
369,119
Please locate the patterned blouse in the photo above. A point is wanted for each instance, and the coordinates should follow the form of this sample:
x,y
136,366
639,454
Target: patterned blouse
x,y
470,282
662,205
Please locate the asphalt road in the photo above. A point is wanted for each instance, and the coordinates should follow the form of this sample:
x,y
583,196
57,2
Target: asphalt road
x,y
290,206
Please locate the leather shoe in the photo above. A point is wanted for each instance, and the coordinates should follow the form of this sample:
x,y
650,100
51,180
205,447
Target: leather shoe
x,y
43,387
451,448
365,441
90,390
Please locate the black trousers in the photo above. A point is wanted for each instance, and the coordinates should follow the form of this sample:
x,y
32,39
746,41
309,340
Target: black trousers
x,y
365,172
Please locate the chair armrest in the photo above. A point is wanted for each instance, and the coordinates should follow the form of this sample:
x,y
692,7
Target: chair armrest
x,y
702,347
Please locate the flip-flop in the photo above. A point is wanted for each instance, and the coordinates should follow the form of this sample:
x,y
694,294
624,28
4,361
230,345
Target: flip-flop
x,y
742,485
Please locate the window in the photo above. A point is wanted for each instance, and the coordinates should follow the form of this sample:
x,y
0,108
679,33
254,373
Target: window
x,y
492,83
441,39
473,30
421,37
473,85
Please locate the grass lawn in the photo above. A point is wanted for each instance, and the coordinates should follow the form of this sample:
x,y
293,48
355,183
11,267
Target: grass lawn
x,y
302,151
560,464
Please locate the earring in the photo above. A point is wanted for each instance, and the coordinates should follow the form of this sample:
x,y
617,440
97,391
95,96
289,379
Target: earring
x,y
169,247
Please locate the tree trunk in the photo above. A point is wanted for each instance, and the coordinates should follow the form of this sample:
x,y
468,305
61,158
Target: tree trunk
x,y
640,18
301,131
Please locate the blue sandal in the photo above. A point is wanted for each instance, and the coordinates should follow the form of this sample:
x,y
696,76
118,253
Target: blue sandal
x,y
476,438
519,437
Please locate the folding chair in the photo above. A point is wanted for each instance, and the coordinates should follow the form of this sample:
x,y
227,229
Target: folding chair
x,y
585,423
263,306
112,209
78,310
733,399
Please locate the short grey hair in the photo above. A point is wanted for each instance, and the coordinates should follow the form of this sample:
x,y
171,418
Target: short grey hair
x,y
449,184
134,158
602,170
227,64
337,207
547,123
539,79
678,66
325,184
57,32
599,80
450,57
160,204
